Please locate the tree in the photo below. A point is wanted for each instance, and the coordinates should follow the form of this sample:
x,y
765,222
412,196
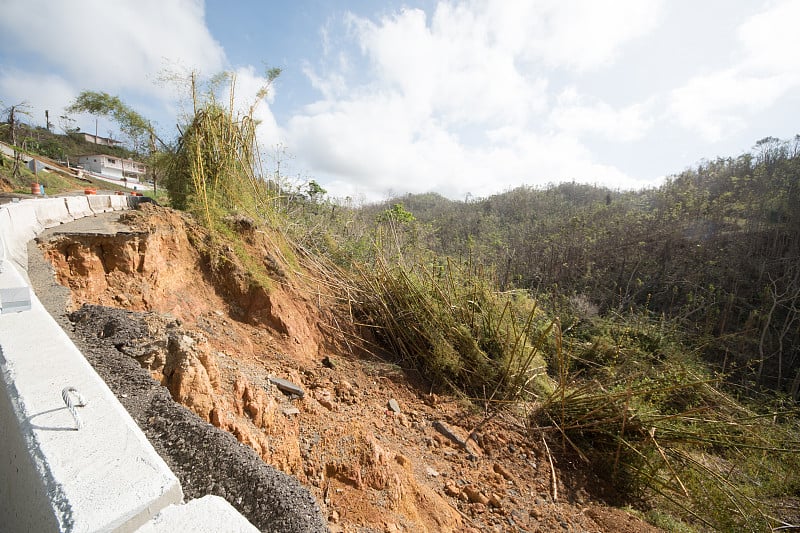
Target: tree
x,y
13,112
133,125
213,168
67,124
314,190
397,213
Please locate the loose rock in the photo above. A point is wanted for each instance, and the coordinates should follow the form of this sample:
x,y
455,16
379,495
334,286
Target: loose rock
x,y
287,387
475,496
394,406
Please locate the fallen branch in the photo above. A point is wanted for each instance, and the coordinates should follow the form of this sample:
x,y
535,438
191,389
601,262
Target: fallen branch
x,y
552,470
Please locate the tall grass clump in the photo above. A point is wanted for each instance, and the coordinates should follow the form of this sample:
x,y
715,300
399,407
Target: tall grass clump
x,y
657,426
215,169
215,172
447,321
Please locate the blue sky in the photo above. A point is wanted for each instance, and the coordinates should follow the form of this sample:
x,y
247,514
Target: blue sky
x,y
457,97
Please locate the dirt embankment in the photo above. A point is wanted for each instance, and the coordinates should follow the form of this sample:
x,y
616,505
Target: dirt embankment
x,y
213,338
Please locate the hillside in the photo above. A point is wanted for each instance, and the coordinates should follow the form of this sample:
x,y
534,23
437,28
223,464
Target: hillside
x,y
367,437
716,249
518,362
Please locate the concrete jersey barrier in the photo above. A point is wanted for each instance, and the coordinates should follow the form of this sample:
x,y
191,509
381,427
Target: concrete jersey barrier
x,y
78,206
104,476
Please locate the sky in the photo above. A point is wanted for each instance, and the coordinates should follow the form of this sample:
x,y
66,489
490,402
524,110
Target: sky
x,y
462,98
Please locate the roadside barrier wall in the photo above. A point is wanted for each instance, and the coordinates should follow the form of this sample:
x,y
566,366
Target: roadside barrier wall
x,y
71,457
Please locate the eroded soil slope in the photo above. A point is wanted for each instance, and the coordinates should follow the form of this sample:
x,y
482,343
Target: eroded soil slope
x,y
376,449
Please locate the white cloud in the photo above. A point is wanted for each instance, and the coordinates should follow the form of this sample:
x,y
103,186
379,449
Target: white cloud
x,y
579,115
459,102
367,147
718,104
453,68
771,40
42,92
579,35
109,46
766,67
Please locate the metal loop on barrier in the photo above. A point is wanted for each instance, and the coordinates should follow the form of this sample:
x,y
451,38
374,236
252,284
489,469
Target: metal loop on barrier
x,y
65,395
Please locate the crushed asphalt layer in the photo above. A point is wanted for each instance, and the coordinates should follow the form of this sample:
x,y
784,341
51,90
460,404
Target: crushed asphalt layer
x,y
205,459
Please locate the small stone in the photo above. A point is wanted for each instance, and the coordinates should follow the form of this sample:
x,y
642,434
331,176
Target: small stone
x,y
475,496
394,406
451,489
431,472
327,404
289,411
335,516
500,469
478,508
494,500
327,362
447,431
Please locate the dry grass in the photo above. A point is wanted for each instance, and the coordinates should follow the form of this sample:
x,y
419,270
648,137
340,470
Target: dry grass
x,y
448,322
663,429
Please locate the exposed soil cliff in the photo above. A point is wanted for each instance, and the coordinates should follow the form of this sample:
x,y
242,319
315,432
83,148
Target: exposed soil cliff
x,y
214,337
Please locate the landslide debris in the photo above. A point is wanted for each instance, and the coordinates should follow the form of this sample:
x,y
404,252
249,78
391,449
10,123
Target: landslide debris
x,y
199,329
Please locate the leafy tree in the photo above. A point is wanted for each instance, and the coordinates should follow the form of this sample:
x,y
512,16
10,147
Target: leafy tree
x,y
314,191
397,213
213,169
134,126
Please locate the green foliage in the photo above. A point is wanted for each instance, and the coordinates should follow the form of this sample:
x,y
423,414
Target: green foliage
x,y
101,104
716,247
397,213
315,191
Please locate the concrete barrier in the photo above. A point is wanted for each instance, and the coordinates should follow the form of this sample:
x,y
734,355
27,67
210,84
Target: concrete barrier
x,y
210,514
51,212
99,203
78,206
119,202
67,468
101,477
18,225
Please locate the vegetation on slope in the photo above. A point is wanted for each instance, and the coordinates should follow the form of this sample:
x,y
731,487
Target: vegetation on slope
x,y
653,335
673,356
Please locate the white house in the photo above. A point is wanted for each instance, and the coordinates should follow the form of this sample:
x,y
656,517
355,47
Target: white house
x,y
113,167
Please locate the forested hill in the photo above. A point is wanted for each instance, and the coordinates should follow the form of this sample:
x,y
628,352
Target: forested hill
x,y
715,249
